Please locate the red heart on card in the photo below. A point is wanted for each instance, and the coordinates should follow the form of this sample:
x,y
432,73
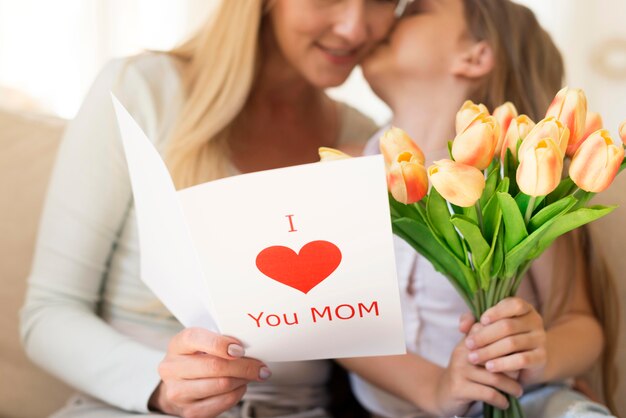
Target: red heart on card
x,y
302,271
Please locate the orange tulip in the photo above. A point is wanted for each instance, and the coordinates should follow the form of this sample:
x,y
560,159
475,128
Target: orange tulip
x,y
570,107
596,163
406,178
551,128
331,154
467,113
622,132
395,141
477,143
504,114
458,183
540,167
518,129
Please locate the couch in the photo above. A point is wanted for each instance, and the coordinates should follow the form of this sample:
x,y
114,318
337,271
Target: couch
x,y
28,145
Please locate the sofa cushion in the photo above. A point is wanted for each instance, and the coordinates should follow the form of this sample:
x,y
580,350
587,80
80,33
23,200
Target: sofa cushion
x,y
28,145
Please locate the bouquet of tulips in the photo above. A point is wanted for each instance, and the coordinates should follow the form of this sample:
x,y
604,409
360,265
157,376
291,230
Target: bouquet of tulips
x,y
503,196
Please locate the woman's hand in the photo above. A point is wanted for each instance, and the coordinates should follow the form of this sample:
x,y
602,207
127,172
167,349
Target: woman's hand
x,y
510,337
462,383
204,374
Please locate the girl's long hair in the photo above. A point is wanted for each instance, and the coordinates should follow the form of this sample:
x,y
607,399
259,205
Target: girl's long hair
x,y
218,67
529,71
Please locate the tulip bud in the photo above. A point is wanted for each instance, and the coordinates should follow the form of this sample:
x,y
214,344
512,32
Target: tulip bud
x,y
504,114
394,142
477,143
570,107
331,154
541,164
467,114
458,183
406,178
518,130
622,132
550,128
596,163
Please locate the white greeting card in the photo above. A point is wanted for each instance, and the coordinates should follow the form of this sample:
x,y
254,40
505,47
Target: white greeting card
x,y
296,262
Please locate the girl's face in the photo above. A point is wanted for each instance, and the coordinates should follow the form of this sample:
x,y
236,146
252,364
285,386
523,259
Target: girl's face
x,y
424,45
325,39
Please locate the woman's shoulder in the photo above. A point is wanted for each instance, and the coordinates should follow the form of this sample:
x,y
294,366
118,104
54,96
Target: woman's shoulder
x,y
149,86
356,127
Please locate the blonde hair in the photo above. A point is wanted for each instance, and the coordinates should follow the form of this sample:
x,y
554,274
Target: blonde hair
x,y
218,68
528,71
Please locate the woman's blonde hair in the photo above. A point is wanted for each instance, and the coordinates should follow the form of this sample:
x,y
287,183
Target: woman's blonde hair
x,y
218,67
528,71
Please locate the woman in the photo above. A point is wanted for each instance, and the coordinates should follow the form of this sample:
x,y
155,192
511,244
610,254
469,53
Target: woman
x,y
490,51
232,99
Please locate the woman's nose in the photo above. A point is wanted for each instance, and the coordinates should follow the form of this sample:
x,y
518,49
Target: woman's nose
x,y
351,24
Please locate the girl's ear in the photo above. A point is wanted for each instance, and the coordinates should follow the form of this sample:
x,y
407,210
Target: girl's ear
x,y
475,62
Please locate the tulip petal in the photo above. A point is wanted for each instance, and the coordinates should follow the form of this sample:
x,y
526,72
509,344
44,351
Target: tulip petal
x,y
458,183
395,141
331,154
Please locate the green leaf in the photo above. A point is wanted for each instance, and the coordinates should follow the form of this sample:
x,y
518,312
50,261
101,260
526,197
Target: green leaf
x,y
492,213
421,238
550,212
564,188
514,227
490,183
471,213
450,150
569,222
498,253
522,200
439,217
471,232
400,210
528,249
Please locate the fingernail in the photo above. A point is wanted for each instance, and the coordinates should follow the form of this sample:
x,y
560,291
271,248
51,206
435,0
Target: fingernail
x,y
489,365
473,357
235,350
470,343
265,373
485,320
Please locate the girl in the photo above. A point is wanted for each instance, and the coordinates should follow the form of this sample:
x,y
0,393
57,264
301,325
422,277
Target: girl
x,y
490,51
251,80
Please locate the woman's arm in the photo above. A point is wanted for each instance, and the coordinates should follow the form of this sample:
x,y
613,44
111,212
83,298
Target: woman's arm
x,y
87,203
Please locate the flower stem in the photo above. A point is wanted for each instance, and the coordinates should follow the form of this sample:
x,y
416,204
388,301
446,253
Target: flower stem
x,y
529,209
479,216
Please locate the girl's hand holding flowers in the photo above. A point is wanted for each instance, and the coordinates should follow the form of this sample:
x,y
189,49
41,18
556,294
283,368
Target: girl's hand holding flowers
x,y
463,383
510,337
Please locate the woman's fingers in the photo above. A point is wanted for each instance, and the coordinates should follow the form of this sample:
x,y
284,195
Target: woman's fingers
x,y
194,340
200,366
188,391
518,361
505,346
506,308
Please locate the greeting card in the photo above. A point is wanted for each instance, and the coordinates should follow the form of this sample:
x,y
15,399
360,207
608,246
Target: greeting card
x,y
279,259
